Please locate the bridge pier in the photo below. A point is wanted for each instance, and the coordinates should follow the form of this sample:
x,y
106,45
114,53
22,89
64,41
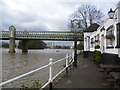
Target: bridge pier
x,y
12,39
24,47
12,45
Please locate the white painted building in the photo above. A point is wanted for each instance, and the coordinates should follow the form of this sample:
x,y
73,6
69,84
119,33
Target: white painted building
x,y
107,35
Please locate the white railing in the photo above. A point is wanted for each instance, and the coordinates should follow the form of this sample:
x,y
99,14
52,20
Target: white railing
x,y
68,59
41,35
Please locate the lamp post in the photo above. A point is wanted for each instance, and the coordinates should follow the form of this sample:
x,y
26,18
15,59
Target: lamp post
x,y
75,25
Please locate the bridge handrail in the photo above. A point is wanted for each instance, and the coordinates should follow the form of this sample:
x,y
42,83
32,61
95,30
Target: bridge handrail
x,y
43,35
4,33
67,58
45,31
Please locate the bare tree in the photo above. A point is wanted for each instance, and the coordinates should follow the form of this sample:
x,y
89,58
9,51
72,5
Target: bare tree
x,y
88,14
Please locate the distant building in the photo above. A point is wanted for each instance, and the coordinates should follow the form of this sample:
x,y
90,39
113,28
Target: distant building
x,y
49,45
107,36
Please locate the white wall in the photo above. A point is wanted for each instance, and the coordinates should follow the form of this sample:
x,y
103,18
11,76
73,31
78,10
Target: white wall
x,y
86,35
117,12
103,47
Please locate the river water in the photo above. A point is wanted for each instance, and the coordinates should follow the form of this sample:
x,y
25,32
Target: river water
x,y
20,63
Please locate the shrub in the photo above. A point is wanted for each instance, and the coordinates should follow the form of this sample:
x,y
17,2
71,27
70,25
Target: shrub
x,y
35,85
97,53
97,47
80,46
97,57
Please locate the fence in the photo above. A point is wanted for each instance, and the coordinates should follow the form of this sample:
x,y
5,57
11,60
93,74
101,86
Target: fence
x,y
68,61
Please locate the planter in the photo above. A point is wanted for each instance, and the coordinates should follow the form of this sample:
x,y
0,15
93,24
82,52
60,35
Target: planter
x,y
97,41
92,42
110,36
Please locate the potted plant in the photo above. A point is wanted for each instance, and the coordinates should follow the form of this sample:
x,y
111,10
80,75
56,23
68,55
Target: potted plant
x,y
110,36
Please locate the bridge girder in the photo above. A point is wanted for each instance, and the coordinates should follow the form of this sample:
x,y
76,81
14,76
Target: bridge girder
x,y
43,35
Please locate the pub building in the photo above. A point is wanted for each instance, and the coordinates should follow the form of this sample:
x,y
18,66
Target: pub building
x,y
105,36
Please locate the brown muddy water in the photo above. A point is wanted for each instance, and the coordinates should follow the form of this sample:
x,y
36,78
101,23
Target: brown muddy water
x,y
20,63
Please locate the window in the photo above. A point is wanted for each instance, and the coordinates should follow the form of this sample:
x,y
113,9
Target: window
x,y
110,36
97,40
92,42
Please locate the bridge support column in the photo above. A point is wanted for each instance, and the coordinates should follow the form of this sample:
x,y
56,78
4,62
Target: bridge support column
x,y
75,53
12,45
24,48
12,39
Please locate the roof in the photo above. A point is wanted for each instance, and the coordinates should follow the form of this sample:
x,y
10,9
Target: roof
x,y
92,28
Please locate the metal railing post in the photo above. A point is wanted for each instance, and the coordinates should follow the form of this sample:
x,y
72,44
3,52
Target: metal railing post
x,y
67,63
70,60
73,58
50,74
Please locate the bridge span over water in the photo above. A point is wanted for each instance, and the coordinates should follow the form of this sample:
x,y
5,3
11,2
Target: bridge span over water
x,y
13,35
42,35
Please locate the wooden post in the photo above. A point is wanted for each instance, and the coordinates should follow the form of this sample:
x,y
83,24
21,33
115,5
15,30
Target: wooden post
x,y
75,52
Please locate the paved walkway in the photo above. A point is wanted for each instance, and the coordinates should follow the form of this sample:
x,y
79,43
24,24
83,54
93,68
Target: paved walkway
x,y
86,75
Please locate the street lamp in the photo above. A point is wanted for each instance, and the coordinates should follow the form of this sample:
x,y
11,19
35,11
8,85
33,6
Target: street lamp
x,y
75,25
111,13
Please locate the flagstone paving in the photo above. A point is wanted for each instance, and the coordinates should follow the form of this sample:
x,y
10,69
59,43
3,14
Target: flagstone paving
x,y
86,75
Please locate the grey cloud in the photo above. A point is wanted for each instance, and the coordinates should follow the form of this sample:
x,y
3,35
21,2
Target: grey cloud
x,y
28,17
21,20
32,19
37,16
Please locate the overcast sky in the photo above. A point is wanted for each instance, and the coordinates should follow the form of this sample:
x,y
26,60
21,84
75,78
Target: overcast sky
x,y
48,15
